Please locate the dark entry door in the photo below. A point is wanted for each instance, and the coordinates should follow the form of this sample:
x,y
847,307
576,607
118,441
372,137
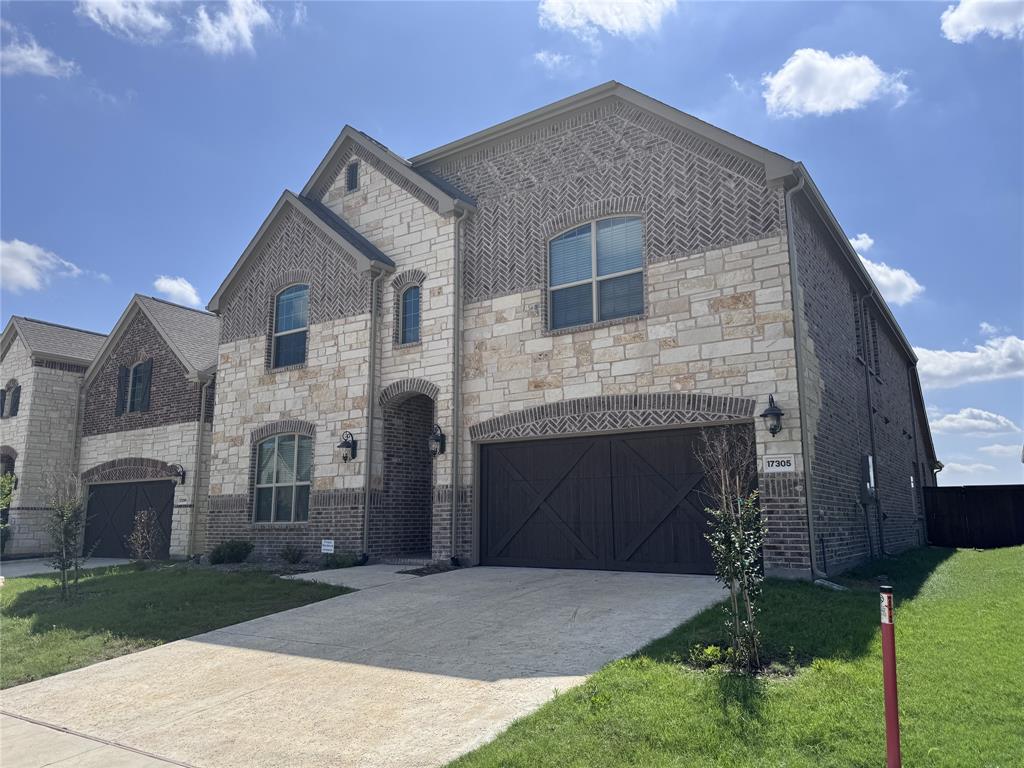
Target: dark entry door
x,y
111,515
615,502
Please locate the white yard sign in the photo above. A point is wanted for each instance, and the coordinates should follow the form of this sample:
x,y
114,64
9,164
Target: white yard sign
x,y
327,546
782,462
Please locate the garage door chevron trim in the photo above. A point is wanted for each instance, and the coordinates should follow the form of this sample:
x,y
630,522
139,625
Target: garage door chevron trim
x,y
612,413
131,468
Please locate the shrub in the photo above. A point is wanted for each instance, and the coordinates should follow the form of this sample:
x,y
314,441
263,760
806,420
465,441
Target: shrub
x,y
233,551
291,553
707,656
340,560
145,539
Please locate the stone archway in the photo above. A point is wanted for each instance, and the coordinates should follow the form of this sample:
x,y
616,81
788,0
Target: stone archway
x,y
400,526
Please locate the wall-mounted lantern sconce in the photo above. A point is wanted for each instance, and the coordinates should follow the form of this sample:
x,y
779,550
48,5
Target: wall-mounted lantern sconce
x,y
437,441
179,472
773,416
348,447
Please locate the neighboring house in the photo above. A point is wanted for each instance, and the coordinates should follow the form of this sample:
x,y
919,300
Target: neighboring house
x,y
529,327
145,439
41,370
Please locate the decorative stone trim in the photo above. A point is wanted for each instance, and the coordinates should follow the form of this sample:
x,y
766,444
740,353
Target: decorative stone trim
x,y
609,413
129,469
407,388
398,285
60,366
284,426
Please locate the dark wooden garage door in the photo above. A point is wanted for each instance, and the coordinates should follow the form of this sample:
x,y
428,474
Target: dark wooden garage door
x,y
615,502
111,515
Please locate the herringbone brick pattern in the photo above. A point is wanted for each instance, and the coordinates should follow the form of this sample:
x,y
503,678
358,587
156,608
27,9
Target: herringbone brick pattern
x,y
293,251
609,158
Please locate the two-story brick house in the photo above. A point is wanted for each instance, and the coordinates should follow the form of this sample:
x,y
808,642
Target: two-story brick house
x,y
528,328
41,370
145,432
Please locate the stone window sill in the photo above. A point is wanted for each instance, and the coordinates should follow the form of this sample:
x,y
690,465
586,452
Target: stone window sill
x,y
594,326
286,368
297,525
407,345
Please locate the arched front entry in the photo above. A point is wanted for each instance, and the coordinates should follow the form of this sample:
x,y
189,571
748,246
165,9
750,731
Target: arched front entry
x,y
400,526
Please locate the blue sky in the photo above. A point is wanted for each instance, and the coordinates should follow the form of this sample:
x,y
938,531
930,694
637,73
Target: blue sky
x,y
148,140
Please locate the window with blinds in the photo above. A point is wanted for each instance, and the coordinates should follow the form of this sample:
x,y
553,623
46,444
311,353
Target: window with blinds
x,y
595,272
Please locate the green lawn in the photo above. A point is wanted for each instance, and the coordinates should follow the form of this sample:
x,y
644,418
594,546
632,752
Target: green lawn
x,y
120,610
960,658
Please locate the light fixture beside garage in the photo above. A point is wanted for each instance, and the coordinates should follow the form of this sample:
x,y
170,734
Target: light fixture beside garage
x,y
178,471
437,441
773,416
348,447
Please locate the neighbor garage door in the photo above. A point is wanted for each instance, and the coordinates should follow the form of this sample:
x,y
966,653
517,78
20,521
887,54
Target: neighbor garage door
x,y
111,515
616,502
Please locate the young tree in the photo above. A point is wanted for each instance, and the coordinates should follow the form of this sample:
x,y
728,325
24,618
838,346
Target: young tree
x,y
728,458
66,523
146,537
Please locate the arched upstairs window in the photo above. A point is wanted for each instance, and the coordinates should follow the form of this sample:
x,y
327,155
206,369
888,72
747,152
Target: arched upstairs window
x,y
10,399
291,326
284,469
409,316
595,272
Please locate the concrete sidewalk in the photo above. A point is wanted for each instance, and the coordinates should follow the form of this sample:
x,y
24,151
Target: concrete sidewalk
x,y
12,569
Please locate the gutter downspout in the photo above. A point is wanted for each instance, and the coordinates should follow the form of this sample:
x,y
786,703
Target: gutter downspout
x,y
456,383
798,330
871,431
371,402
918,481
197,470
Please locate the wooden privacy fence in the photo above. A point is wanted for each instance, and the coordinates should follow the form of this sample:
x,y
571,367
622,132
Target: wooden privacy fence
x,y
979,516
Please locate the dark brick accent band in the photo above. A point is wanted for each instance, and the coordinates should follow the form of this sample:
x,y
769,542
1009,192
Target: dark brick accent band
x,y
132,468
408,387
607,413
60,366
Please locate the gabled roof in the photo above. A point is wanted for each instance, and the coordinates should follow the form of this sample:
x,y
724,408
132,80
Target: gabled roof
x,y
51,341
447,197
776,166
365,253
191,334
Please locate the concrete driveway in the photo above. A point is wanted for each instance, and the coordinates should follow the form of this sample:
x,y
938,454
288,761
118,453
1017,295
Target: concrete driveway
x,y
12,569
411,673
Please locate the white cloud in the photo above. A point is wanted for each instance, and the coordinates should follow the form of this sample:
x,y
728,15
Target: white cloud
x,y
963,22
988,329
553,62
1001,449
974,421
299,14
140,20
228,31
998,358
28,267
587,18
896,285
968,469
814,82
20,54
178,290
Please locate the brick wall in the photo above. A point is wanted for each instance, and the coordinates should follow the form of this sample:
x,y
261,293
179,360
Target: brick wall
x,y
401,525
836,383
172,398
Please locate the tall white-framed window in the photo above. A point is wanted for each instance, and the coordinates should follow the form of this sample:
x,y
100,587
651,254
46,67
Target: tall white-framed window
x,y
409,316
595,272
291,326
284,468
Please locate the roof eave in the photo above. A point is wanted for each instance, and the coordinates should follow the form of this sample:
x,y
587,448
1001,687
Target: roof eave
x,y
854,259
776,165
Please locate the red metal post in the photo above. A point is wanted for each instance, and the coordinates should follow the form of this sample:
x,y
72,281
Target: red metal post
x,y
892,712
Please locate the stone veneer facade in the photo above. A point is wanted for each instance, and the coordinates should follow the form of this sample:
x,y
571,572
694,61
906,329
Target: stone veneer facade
x,y
41,439
716,336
